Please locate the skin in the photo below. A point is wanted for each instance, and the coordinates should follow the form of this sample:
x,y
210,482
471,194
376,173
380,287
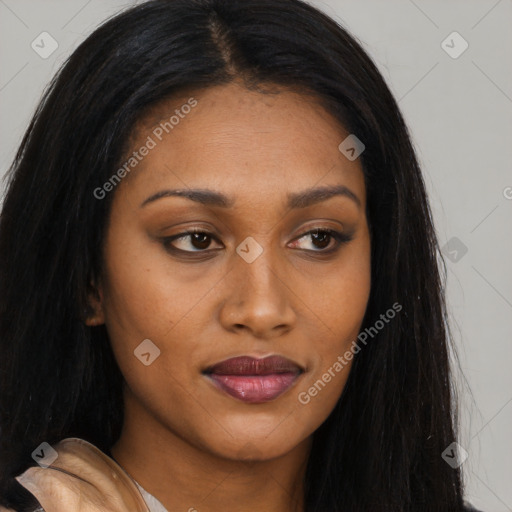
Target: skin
x,y
187,443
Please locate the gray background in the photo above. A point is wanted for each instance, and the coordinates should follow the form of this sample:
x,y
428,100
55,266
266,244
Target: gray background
x,y
459,111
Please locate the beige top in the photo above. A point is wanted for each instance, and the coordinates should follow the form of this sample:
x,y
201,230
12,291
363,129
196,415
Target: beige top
x,y
82,478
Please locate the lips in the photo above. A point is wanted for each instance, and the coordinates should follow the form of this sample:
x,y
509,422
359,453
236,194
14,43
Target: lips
x,y
254,380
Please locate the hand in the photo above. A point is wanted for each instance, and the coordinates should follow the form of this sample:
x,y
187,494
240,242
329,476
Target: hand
x,y
82,479
58,491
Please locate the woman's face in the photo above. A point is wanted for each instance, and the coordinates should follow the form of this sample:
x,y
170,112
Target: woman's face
x,y
252,283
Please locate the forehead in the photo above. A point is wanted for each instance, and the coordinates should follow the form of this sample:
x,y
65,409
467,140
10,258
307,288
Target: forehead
x,y
238,139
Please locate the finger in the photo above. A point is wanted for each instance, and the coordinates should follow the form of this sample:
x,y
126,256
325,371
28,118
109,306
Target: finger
x,y
55,491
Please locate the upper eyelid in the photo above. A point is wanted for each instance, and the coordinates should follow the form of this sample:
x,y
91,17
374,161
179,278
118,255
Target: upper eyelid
x,y
193,231
214,235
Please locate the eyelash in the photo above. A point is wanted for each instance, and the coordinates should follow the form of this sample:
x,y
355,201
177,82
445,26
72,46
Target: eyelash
x,y
339,237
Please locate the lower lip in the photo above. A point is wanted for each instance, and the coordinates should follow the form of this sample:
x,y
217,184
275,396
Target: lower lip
x,y
254,388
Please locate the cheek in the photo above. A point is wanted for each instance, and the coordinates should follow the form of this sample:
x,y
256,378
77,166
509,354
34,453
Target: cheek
x,y
143,300
146,296
339,296
351,291
339,304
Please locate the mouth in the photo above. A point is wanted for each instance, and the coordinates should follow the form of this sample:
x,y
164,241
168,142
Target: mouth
x,y
254,380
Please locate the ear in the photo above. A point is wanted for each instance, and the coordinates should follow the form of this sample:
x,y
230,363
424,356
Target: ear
x,y
94,314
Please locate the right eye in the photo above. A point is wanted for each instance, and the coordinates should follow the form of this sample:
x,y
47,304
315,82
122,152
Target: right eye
x,y
190,241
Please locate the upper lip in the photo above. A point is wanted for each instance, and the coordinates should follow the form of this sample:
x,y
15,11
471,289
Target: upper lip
x,y
247,365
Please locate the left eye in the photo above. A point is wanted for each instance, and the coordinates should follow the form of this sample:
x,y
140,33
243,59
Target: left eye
x,y
321,239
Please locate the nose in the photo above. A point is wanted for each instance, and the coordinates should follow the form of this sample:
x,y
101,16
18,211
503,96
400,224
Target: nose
x,y
258,298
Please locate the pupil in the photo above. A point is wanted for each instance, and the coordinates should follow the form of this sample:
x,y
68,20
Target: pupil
x,y
203,244
323,237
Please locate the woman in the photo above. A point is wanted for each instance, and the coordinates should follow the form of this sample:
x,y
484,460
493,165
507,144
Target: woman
x,y
219,277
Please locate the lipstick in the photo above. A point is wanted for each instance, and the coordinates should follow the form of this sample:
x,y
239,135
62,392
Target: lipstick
x,y
254,380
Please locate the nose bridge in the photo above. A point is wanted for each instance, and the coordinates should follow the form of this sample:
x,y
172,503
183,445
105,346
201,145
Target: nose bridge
x,y
256,269
258,298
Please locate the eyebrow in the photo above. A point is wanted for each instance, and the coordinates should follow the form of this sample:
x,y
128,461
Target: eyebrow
x,y
301,199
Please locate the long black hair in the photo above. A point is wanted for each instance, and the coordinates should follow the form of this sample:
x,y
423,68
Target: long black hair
x,y
380,449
